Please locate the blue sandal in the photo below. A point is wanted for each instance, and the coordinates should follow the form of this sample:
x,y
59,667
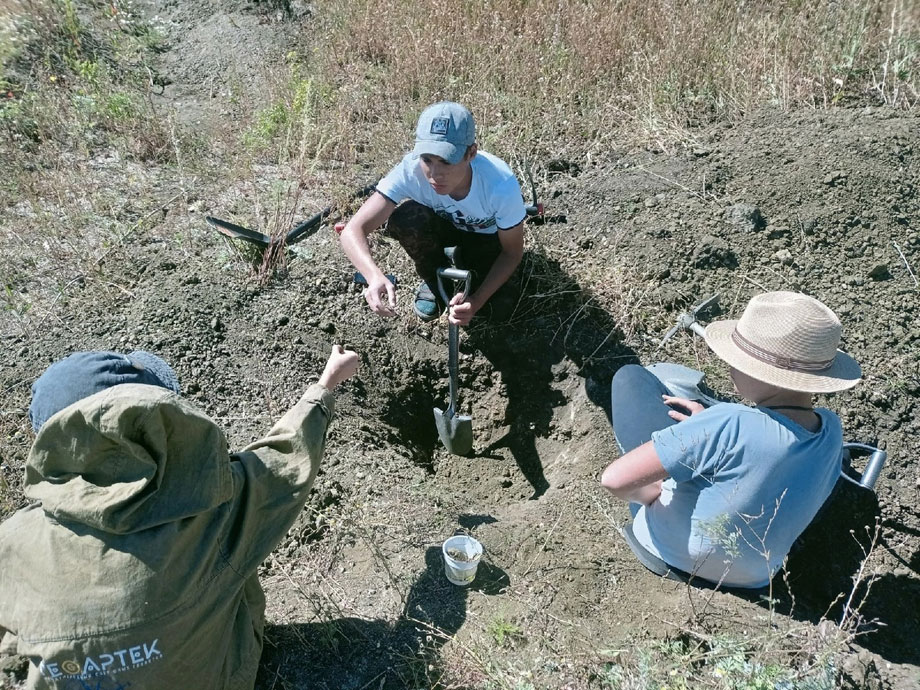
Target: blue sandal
x,y
426,304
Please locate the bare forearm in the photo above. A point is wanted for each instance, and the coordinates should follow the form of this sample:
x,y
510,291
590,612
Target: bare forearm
x,y
498,275
646,495
373,214
355,245
637,476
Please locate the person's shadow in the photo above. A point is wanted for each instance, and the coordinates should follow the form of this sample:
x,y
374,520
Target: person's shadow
x,y
555,319
830,573
354,653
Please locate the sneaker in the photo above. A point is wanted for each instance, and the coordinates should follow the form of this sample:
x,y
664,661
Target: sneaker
x,y
426,305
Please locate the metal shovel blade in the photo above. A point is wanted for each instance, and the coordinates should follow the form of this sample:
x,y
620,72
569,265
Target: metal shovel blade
x,y
455,431
238,232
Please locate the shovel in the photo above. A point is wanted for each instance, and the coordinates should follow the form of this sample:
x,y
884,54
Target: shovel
x,y
299,232
455,431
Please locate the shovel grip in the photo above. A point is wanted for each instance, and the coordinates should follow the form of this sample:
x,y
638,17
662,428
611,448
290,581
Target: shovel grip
x,y
453,274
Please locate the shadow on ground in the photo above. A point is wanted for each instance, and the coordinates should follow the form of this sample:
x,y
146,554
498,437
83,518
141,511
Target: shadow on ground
x,y
825,578
356,653
555,322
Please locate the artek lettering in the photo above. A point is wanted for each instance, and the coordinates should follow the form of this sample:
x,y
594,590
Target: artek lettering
x,y
105,663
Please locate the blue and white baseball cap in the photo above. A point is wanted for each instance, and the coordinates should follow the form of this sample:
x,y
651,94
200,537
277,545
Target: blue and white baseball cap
x,y
446,130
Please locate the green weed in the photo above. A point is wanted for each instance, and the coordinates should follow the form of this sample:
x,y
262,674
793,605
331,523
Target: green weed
x,y
504,632
67,85
722,662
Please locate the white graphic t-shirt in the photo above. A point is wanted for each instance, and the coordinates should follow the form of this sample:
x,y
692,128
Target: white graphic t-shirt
x,y
494,202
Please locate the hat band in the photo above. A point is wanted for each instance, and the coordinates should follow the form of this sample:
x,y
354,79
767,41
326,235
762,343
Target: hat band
x,y
779,361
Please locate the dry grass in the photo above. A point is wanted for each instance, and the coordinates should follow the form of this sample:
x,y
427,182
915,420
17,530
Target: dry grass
x,y
546,79
557,76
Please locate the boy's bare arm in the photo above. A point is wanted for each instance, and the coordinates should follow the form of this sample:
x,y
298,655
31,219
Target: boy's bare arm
x,y
380,293
512,243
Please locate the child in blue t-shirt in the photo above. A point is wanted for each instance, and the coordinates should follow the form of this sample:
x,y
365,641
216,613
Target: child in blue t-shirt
x,y
721,493
445,193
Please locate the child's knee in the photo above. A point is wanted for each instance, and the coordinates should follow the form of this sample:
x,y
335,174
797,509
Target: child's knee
x,y
409,217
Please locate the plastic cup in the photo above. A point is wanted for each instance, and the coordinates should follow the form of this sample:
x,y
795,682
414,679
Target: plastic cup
x,y
461,558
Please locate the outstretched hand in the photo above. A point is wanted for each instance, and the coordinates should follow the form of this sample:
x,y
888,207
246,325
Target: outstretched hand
x,y
381,296
692,407
342,364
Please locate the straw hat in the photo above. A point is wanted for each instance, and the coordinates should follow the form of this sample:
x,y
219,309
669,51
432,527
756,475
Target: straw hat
x,y
789,340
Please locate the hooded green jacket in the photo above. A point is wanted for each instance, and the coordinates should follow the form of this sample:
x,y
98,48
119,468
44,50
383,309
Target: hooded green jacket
x,y
137,565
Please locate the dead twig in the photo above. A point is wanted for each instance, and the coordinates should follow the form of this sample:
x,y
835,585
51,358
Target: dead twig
x,y
754,282
907,265
543,548
702,196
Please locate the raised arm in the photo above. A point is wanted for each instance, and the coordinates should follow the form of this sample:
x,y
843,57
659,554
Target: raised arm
x,y
273,475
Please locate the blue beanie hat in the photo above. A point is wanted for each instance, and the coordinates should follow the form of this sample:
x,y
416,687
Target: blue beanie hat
x,y
83,374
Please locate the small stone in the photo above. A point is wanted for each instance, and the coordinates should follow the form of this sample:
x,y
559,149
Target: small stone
x,y
713,252
651,202
784,256
561,165
282,320
745,218
879,272
879,399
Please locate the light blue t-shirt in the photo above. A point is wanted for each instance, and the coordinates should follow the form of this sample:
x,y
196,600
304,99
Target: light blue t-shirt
x,y
494,202
744,483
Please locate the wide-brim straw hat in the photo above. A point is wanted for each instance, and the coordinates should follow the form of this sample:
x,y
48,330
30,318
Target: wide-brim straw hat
x,y
789,340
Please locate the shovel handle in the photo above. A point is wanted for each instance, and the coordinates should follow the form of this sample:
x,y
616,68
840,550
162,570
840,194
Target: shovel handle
x,y
874,464
453,274
453,331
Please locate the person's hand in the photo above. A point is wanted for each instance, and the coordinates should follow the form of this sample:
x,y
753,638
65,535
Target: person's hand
x,y
381,295
341,365
692,406
461,310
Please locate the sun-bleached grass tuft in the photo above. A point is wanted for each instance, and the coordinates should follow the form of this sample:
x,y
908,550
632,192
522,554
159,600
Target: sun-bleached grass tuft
x,y
555,76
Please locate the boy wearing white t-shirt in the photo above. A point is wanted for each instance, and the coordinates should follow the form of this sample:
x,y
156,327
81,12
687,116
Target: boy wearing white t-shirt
x,y
445,193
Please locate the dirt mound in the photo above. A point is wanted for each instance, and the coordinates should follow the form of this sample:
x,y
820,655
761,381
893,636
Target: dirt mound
x,y
821,201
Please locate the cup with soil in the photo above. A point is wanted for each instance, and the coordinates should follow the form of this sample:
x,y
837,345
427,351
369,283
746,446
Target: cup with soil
x,y
461,558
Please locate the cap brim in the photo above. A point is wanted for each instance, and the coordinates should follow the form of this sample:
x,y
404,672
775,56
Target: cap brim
x,y
843,373
442,149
